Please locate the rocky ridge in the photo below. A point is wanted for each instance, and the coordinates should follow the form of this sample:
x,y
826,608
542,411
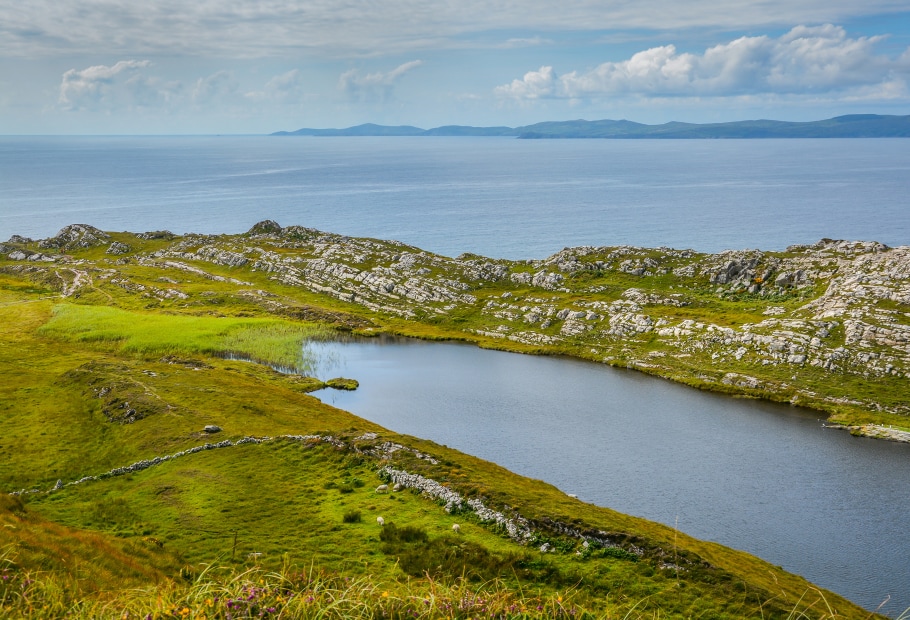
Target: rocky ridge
x,y
778,324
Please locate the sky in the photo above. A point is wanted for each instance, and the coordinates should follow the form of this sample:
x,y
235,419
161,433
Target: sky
x,y
251,67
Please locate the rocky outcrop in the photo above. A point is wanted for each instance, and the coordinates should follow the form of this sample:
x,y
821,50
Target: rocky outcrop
x,y
25,254
117,248
265,227
75,237
157,234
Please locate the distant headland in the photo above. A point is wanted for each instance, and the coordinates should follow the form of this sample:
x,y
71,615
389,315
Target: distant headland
x,y
850,126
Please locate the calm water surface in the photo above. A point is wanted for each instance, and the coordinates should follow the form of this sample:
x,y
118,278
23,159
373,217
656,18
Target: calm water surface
x,y
498,197
756,476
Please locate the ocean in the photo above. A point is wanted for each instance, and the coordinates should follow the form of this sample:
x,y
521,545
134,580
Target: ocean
x,y
498,197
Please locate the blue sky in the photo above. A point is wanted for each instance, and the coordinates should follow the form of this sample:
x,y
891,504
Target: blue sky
x,y
242,66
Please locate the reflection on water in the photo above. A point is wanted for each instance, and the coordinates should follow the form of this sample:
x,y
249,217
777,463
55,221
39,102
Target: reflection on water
x,y
752,475
318,359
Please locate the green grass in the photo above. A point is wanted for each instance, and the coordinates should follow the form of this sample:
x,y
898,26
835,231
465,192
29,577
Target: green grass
x,y
267,341
341,383
313,593
288,517
199,516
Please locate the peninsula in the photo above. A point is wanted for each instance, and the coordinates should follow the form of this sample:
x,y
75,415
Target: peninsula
x,y
146,471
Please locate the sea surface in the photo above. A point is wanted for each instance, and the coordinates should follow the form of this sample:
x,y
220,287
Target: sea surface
x,y
751,475
499,197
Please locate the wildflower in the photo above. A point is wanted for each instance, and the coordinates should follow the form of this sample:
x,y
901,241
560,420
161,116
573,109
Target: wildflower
x,y
385,595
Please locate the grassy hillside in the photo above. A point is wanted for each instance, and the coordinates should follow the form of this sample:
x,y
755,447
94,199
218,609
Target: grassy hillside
x,y
126,506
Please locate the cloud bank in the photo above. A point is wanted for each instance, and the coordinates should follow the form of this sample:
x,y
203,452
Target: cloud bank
x,y
254,28
373,87
804,61
128,85
107,87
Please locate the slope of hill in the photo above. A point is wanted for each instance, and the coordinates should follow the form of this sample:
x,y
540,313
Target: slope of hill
x,y
131,440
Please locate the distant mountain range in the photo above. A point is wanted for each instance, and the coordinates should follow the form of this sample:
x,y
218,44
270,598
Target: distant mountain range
x,y
851,126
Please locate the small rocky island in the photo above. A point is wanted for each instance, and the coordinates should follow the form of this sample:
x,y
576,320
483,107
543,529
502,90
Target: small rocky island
x,y
825,326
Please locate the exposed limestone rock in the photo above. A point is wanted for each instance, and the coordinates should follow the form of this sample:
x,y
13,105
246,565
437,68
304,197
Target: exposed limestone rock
x,y
117,248
24,254
157,234
549,281
265,227
76,236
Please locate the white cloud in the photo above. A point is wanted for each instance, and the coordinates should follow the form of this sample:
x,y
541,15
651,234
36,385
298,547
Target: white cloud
x,y
534,85
126,86
121,85
373,86
220,87
804,61
285,88
255,28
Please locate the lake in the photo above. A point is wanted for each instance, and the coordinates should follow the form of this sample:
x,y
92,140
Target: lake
x,y
757,476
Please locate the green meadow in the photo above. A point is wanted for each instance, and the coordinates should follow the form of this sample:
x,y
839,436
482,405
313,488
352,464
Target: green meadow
x,y
266,341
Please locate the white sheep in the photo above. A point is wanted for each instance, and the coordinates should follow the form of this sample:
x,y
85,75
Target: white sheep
x,y
380,521
382,488
456,528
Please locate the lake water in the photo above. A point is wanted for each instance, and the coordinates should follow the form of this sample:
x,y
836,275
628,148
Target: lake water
x,y
756,476
499,197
